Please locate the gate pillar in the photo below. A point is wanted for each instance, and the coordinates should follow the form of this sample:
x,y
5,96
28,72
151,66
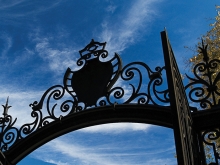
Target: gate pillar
x,y
184,134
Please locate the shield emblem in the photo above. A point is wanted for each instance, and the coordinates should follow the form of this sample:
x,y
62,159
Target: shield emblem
x,y
90,83
94,79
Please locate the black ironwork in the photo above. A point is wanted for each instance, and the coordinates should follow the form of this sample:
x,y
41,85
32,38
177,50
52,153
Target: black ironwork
x,y
95,78
93,85
102,91
203,88
186,148
9,133
211,139
138,113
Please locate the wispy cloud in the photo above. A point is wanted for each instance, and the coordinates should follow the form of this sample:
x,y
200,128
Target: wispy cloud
x,y
116,128
121,34
111,8
7,40
20,12
31,8
55,162
19,100
74,153
59,56
10,3
24,56
161,161
69,152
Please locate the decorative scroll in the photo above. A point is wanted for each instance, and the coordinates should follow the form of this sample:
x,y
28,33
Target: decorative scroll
x,y
9,134
211,139
100,81
150,95
203,89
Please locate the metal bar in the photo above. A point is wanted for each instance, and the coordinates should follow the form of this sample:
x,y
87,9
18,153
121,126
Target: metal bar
x,y
186,147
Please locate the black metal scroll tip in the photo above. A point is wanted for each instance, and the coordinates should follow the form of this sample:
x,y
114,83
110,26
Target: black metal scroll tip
x,y
6,107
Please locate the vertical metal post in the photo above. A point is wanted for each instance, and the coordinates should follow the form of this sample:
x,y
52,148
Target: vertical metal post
x,y
182,121
3,160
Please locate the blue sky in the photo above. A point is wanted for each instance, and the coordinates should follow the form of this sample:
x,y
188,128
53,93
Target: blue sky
x,y
40,39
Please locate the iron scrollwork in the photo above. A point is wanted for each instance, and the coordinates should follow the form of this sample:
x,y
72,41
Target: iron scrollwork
x,y
149,96
211,140
9,133
99,81
205,90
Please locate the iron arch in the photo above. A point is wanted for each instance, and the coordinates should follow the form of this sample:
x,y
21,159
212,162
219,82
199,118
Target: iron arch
x,y
95,98
148,114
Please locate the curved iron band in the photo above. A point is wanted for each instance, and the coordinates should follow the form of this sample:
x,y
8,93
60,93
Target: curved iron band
x,y
149,114
206,119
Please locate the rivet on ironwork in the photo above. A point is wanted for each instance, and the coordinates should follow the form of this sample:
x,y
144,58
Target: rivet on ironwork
x,y
60,118
114,106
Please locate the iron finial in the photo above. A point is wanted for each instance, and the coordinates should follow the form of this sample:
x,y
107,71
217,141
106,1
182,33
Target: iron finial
x,y
6,107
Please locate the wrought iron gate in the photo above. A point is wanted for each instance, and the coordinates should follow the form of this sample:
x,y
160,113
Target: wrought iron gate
x,y
91,96
186,147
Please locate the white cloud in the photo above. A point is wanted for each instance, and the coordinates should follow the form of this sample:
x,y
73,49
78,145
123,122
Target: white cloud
x,y
19,100
56,162
19,13
59,58
161,161
32,8
116,128
65,151
121,34
10,3
7,40
73,152
111,8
